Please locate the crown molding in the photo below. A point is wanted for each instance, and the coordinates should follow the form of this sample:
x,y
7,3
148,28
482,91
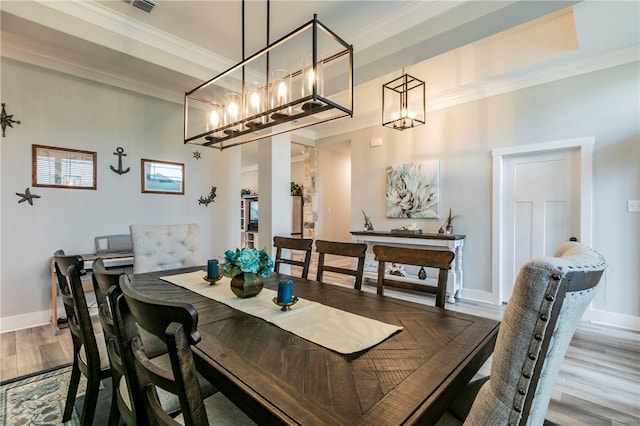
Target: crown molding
x,y
398,21
498,85
540,74
20,53
111,20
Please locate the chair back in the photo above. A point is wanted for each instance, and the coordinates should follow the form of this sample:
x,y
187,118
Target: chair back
x,y
293,244
61,263
353,250
83,317
176,324
549,297
439,259
163,247
104,282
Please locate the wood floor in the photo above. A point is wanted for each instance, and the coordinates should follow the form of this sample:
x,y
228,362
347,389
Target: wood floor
x,y
598,384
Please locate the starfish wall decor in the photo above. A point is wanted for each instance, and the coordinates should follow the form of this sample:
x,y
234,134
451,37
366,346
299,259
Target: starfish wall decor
x,y
6,120
27,196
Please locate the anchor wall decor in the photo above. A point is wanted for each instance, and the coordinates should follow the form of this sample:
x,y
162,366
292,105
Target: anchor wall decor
x,y
120,153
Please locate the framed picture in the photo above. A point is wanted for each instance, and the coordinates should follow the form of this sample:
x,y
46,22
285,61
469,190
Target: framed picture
x,y
56,167
413,190
162,177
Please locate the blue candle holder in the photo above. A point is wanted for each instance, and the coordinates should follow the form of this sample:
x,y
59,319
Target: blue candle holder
x,y
286,306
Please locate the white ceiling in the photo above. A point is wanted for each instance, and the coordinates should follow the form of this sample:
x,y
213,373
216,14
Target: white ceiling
x,y
456,46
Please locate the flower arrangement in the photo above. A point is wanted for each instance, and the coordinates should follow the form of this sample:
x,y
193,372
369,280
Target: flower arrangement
x,y
247,260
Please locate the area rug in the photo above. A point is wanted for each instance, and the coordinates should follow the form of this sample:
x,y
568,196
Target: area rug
x,y
37,399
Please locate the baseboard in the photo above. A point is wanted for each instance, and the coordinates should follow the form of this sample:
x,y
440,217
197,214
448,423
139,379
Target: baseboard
x,y
612,318
19,322
476,295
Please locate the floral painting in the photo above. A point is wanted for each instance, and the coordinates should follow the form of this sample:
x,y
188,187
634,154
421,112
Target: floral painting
x,y
413,190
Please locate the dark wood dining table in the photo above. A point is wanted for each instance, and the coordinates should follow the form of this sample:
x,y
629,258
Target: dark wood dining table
x,y
279,378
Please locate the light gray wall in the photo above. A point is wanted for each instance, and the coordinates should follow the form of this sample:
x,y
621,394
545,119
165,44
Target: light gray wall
x,y
334,196
61,110
603,104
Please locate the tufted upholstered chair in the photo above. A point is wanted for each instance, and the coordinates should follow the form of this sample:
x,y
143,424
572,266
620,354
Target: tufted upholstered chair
x,y
163,247
549,297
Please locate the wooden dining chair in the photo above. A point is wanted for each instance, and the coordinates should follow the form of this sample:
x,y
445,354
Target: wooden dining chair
x,y
176,325
549,297
438,259
103,280
164,247
350,250
294,245
90,354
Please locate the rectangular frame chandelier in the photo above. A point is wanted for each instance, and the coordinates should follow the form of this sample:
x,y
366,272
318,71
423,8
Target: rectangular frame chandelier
x,y
302,79
403,103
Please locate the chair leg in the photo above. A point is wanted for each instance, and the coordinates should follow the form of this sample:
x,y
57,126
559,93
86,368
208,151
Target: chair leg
x,y
74,381
114,413
90,401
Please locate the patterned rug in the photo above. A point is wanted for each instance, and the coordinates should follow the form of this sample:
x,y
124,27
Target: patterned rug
x,y
37,399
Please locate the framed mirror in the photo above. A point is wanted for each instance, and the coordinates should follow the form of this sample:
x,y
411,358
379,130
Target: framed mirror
x,y
162,177
56,167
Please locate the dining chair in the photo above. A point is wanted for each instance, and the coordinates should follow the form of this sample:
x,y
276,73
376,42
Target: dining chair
x,y
549,297
89,351
352,250
438,259
294,245
163,247
105,282
176,325
102,281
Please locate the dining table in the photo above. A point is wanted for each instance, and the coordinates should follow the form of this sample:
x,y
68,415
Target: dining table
x,y
277,377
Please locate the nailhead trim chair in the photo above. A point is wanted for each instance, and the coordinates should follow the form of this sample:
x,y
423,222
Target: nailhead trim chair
x,y
549,297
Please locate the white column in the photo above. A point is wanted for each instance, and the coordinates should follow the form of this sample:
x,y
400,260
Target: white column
x,y
274,175
225,210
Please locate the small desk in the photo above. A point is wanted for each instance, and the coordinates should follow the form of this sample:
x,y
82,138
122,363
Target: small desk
x,y
452,243
111,260
280,378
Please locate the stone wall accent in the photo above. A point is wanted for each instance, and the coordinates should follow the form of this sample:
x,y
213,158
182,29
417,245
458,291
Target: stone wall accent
x,y
310,193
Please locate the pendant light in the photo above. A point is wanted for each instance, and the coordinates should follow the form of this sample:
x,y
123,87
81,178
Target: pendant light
x,y
302,79
403,102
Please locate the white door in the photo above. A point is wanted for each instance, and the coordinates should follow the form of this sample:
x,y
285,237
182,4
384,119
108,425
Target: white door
x,y
541,207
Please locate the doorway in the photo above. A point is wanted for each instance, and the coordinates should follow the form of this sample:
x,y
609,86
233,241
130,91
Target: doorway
x,y
541,197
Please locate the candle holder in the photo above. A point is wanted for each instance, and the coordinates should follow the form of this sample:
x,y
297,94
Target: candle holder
x,y
286,306
212,281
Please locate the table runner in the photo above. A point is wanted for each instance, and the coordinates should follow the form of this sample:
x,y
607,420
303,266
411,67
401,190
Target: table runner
x,y
338,330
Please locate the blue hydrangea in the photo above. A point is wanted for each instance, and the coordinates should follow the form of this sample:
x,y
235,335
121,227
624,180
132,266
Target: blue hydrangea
x,y
247,260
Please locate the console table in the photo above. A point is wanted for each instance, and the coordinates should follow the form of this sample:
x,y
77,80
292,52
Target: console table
x,y
111,260
452,243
